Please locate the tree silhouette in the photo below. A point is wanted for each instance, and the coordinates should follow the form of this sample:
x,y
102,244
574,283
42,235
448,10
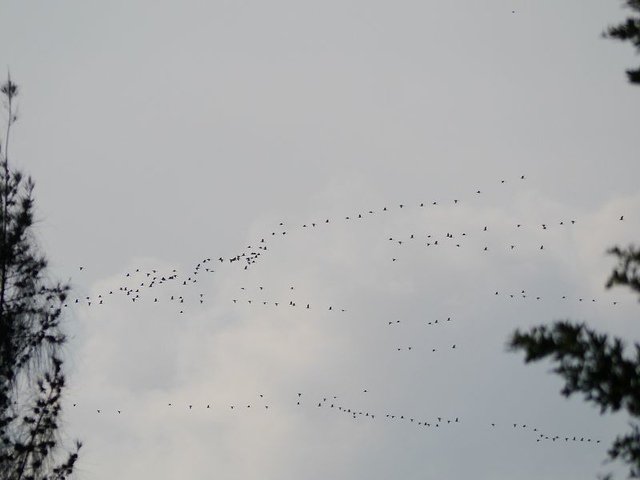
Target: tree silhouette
x,y
595,365
31,376
591,363
629,30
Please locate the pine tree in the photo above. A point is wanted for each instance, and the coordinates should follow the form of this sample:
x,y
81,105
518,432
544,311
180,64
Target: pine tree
x,y
594,364
31,375
628,31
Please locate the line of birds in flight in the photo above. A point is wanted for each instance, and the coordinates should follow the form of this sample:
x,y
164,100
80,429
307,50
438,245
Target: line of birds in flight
x,y
334,404
248,257
306,305
523,295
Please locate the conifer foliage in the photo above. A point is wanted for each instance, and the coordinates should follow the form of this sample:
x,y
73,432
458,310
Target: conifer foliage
x,y
629,31
595,365
592,363
31,375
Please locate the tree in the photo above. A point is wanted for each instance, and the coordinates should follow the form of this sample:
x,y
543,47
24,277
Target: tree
x,y
595,365
628,31
31,376
591,363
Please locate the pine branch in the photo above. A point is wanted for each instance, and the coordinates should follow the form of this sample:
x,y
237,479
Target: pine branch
x,y
30,336
628,31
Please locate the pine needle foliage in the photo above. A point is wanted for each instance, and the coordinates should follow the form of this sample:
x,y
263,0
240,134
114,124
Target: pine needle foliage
x,y
628,31
31,375
594,364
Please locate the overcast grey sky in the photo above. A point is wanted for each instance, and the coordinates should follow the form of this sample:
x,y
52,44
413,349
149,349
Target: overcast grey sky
x,y
164,133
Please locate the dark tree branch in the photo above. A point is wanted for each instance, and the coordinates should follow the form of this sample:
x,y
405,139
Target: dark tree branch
x,y
628,31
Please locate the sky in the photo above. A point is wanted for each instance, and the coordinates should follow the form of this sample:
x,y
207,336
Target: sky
x,y
163,136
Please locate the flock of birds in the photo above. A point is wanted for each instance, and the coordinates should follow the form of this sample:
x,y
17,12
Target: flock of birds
x,y
333,403
134,291
522,294
139,285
